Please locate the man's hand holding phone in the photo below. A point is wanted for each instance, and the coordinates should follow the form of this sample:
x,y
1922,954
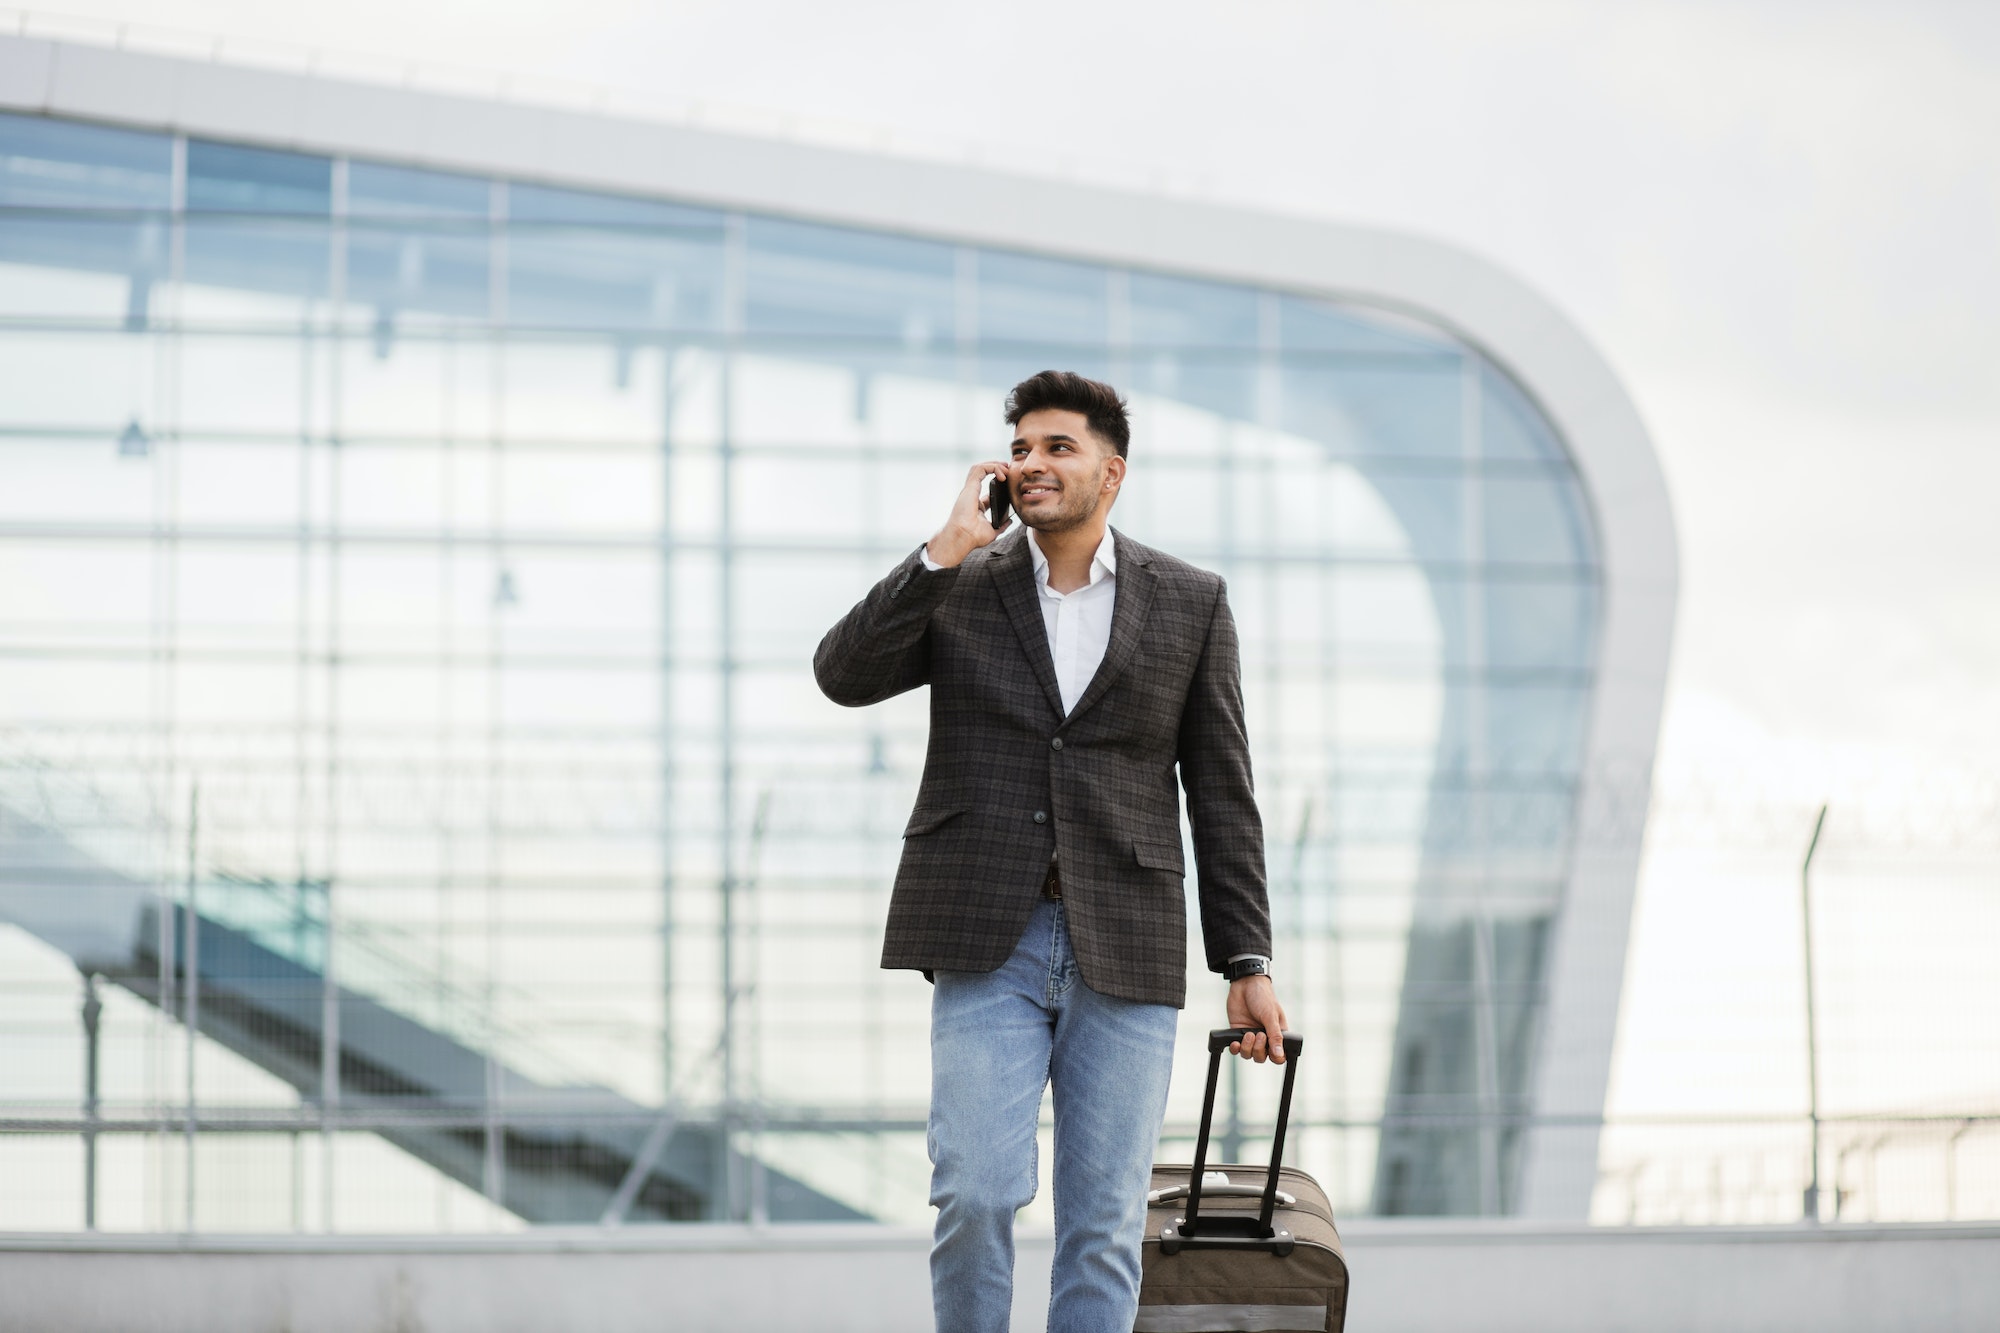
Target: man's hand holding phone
x,y
969,527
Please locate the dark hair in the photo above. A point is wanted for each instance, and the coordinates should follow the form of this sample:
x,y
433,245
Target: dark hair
x,y
1067,391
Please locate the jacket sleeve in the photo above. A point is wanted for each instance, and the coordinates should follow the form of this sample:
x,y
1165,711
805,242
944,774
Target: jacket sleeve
x,y
1214,755
882,647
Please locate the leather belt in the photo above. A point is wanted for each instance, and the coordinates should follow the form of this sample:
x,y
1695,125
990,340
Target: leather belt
x,y
1052,884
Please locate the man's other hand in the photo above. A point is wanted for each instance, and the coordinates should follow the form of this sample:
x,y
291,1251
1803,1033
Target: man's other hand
x,y
968,528
1254,1004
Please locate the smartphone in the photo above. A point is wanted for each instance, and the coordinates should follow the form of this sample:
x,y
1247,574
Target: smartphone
x,y
998,500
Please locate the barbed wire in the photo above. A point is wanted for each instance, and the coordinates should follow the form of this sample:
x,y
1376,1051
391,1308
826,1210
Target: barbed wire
x,y
610,782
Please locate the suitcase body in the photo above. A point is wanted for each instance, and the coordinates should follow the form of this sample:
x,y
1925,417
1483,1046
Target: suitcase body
x,y
1261,1254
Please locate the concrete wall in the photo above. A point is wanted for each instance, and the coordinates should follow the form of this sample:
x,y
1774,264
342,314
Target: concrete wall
x,y
1456,1276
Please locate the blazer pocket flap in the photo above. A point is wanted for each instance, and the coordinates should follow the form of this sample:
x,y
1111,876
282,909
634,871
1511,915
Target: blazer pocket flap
x,y
929,818
1160,856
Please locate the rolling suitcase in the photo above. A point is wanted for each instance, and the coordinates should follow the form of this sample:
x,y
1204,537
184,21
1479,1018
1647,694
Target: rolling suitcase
x,y
1245,1249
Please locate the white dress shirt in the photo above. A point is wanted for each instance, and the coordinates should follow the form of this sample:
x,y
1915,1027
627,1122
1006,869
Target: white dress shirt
x,y
1078,623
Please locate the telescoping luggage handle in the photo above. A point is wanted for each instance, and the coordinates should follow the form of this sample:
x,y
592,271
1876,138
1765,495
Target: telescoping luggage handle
x,y
1235,1230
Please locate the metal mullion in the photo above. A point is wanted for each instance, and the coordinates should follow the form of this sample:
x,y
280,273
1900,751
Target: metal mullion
x,y
1479,762
163,692
494,1163
669,404
734,262
330,1027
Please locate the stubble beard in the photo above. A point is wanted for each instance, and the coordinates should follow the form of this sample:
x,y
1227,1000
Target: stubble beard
x,y
1067,517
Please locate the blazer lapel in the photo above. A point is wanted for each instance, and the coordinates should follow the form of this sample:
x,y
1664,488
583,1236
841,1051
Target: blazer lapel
x,y
1136,584
1013,571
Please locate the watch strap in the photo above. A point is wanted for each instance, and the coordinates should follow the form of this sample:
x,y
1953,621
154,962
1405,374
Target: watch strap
x,y
1254,966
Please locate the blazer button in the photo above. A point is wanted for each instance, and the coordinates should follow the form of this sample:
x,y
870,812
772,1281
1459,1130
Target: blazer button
x,y
1041,816
1056,744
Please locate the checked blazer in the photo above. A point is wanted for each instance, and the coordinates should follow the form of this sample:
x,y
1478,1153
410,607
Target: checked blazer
x,y
1009,780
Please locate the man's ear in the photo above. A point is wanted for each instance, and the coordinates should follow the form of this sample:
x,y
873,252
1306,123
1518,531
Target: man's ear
x,y
1114,472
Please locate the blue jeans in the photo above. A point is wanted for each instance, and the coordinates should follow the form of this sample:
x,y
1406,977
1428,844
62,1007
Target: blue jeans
x,y
997,1040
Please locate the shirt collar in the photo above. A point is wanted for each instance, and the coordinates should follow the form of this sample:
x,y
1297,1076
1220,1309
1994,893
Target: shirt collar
x,y
1103,565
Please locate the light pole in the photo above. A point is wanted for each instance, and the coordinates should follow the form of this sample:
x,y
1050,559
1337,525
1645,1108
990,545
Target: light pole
x,y
93,1009
1812,1025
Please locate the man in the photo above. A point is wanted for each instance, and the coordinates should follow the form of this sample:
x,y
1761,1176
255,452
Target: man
x,y
1070,669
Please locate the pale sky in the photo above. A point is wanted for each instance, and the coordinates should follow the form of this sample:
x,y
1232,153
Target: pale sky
x,y
1778,219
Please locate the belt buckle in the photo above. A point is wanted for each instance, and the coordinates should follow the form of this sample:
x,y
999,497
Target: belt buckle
x,y
1052,884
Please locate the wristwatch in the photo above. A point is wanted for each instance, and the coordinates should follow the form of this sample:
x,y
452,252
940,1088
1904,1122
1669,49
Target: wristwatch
x,y
1253,966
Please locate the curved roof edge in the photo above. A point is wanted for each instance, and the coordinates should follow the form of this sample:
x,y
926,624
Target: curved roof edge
x,y
1479,302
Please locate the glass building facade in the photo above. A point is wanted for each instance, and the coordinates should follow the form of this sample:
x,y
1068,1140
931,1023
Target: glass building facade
x,y
416,809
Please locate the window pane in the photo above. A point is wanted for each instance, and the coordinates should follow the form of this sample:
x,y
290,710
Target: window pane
x,y
600,261
235,256
1509,425
1407,406
60,164
240,595
1532,728
378,191
236,694
776,499
73,590
53,176
1386,616
228,178
417,244
1002,365
583,604
548,697
392,600
1546,625
1222,382
831,282
915,404
1535,520
572,391
785,604
790,403
417,270
1178,312
1044,302
51,691
414,486
68,267
418,387
72,480
583,491
246,483
81,382
1429,507
254,386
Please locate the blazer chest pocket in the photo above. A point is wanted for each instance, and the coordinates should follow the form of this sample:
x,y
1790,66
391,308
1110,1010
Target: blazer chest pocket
x,y
1159,856
930,818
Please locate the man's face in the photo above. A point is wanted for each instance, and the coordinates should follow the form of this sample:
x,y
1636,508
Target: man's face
x,y
1060,472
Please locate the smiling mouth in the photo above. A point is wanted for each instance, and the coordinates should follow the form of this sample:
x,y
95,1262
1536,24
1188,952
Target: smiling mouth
x,y
1036,491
